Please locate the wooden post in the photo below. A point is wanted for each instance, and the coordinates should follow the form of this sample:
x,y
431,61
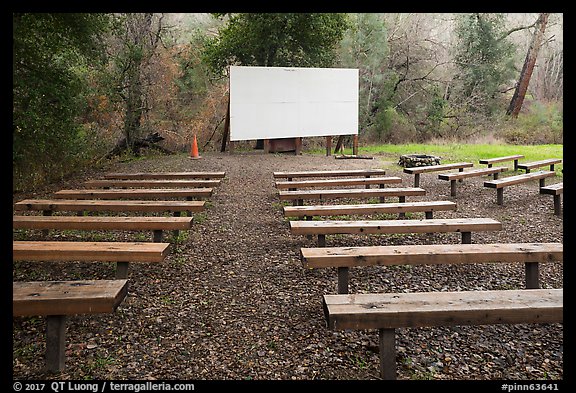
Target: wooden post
x,y
266,145
557,207
387,344
466,237
55,342
429,214
453,188
298,142
355,145
500,196
416,180
157,236
321,240
121,270
532,280
328,146
343,279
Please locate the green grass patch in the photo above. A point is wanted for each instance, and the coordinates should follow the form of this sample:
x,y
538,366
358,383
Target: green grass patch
x,y
457,152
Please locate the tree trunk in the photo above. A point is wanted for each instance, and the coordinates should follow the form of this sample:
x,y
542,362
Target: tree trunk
x,y
529,62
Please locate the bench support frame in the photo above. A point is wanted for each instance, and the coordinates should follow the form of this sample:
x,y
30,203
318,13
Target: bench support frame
x,y
55,342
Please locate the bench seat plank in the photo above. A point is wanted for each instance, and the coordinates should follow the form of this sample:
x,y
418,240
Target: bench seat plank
x,y
330,173
89,251
140,193
537,164
394,226
517,179
351,193
166,175
109,205
322,257
67,297
490,161
553,189
367,208
282,185
419,170
436,168
472,173
427,309
151,183
102,223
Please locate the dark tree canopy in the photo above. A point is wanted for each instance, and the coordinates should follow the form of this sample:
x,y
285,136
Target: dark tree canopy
x,y
273,39
50,53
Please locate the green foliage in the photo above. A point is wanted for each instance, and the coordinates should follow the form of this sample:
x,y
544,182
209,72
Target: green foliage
x,y
365,47
276,39
49,72
484,57
540,123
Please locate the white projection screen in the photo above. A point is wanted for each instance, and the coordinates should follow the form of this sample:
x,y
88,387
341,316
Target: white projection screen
x,y
287,102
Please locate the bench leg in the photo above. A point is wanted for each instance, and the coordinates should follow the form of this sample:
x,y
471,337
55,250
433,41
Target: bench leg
x,y
175,233
429,214
45,232
402,199
515,165
55,342
466,237
417,180
121,270
387,346
157,236
532,275
460,170
557,206
542,183
343,279
500,196
368,185
321,240
495,176
453,188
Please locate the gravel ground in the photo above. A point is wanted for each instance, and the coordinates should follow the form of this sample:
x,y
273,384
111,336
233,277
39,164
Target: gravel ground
x,y
232,301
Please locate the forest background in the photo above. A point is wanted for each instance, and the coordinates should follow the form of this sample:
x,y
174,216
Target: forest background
x,y
92,87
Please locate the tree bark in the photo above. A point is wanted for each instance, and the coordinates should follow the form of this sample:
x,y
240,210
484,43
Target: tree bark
x,y
528,68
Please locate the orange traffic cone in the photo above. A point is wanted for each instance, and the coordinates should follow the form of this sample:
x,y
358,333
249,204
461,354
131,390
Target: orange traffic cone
x,y
194,151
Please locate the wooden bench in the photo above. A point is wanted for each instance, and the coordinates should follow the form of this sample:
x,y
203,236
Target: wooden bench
x,y
434,225
166,175
556,190
331,173
418,170
428,207
122,253
452,177
58,299
491,161
527,166
152,183
136,193
390,311
358,181
517,179
345,257
401,193
48,206
155,224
